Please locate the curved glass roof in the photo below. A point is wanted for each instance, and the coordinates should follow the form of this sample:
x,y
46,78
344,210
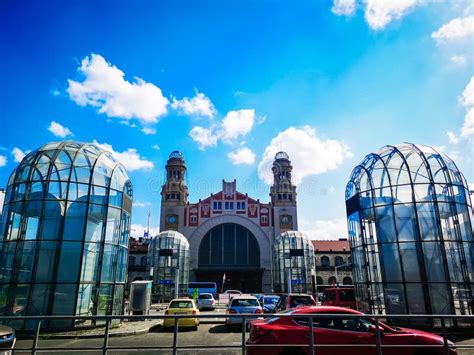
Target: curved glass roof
x,y
71,161
282,155
403,164
174,235
289,235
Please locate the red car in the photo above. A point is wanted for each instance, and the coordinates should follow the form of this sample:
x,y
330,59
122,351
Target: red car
x,y
338,331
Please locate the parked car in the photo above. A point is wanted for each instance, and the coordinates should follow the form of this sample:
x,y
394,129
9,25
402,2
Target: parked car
x,y
268,303
339,297
242,304
232,292
7,339
206,301
338,331
182,306
294,300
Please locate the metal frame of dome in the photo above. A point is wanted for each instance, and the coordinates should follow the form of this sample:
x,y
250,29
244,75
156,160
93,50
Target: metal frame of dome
x,y
301,268
282,155
67,217
411,200
165,266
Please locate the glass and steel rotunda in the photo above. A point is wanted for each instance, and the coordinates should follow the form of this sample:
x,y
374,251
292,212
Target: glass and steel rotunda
x,y
168,261
293,263
65,231
410,228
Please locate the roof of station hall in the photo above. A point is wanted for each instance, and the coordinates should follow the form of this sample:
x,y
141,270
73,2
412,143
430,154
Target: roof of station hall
x,y
71,161
341,245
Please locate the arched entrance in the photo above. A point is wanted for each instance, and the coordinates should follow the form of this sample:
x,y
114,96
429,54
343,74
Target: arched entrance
x,y
232,250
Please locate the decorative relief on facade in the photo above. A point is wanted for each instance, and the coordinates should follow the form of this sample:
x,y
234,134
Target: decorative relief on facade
x,y
171,222
286,222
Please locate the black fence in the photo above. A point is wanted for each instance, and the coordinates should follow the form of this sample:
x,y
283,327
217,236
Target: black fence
x,y
312,346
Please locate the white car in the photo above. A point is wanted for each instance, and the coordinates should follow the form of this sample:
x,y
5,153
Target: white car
x,y
206,301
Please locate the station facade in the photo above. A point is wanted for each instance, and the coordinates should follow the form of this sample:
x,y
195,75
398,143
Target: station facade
x,y
229,232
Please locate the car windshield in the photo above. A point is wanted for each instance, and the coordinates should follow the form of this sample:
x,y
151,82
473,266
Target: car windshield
x,y
270,300
301,301
245,303
273,319
181,304
205,296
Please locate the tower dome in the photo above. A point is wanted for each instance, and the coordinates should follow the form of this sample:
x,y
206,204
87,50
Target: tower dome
x,y
282,155
176,154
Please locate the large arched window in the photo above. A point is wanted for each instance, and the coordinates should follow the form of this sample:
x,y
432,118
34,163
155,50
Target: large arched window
x,y
347,281
332,280
325,261
319,280
338,260
229,244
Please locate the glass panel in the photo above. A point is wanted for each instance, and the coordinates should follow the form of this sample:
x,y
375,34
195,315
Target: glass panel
x,y
405,219
27,253
20,301
75,220
391,263
416,303
113,225
90,262
440,303
121,265
403,193
95,222
394,298
98,195
85,300
46,261
410,262
427,221
108,264
64,300
386,224
69,262
52,219
115,198
105,299
434,262
78,192
57,190
39,300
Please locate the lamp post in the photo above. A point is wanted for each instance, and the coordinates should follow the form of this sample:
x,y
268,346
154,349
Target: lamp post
x,y
337,267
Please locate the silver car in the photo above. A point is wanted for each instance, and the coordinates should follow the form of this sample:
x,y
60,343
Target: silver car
x,y
206,301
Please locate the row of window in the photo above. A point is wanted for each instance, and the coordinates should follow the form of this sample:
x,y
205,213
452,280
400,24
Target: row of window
x,y
338,260
228,205
285,197
173,196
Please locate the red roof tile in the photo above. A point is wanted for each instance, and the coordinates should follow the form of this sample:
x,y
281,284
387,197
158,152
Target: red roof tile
x,y
331,245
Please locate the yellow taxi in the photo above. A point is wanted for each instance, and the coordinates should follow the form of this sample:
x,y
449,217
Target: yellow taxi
x,y
182,306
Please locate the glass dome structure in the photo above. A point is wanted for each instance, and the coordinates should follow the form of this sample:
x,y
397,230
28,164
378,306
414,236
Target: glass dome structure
x,y
176,154
64,240
168,255
282,155
293,262
410,229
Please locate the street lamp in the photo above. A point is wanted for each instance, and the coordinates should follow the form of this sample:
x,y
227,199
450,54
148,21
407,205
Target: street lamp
x,y
337,267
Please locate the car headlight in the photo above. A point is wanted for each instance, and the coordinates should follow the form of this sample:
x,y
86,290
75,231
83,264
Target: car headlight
x,y
441,342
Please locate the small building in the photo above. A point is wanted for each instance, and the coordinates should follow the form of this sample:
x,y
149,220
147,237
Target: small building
x,y
138,259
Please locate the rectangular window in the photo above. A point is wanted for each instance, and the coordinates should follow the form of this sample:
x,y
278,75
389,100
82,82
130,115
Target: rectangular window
x,y
214,205
242,205
219,205
231,204
238,205
227,205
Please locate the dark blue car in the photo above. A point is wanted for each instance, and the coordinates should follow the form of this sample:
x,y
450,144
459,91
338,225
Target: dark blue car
x,y
268,303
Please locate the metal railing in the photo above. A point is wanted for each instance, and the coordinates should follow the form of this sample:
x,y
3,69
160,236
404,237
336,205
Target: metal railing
x,y
312,341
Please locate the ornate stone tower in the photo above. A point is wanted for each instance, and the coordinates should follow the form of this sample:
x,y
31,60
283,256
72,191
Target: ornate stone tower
x,y
174,193
283,194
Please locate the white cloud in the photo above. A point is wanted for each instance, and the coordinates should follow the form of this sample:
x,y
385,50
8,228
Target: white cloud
x,y
59,130
330,229
467,96
199,105
138,230
149,131
453,139
343,7
3,160
379,13
18,154
455,30
458,59
234,125
104,87
204,137
467,128
237,123
129,158
141,204
309,154
242,156
155,147
467,100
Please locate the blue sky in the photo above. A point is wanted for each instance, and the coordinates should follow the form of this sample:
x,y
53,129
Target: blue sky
x,y
230,83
